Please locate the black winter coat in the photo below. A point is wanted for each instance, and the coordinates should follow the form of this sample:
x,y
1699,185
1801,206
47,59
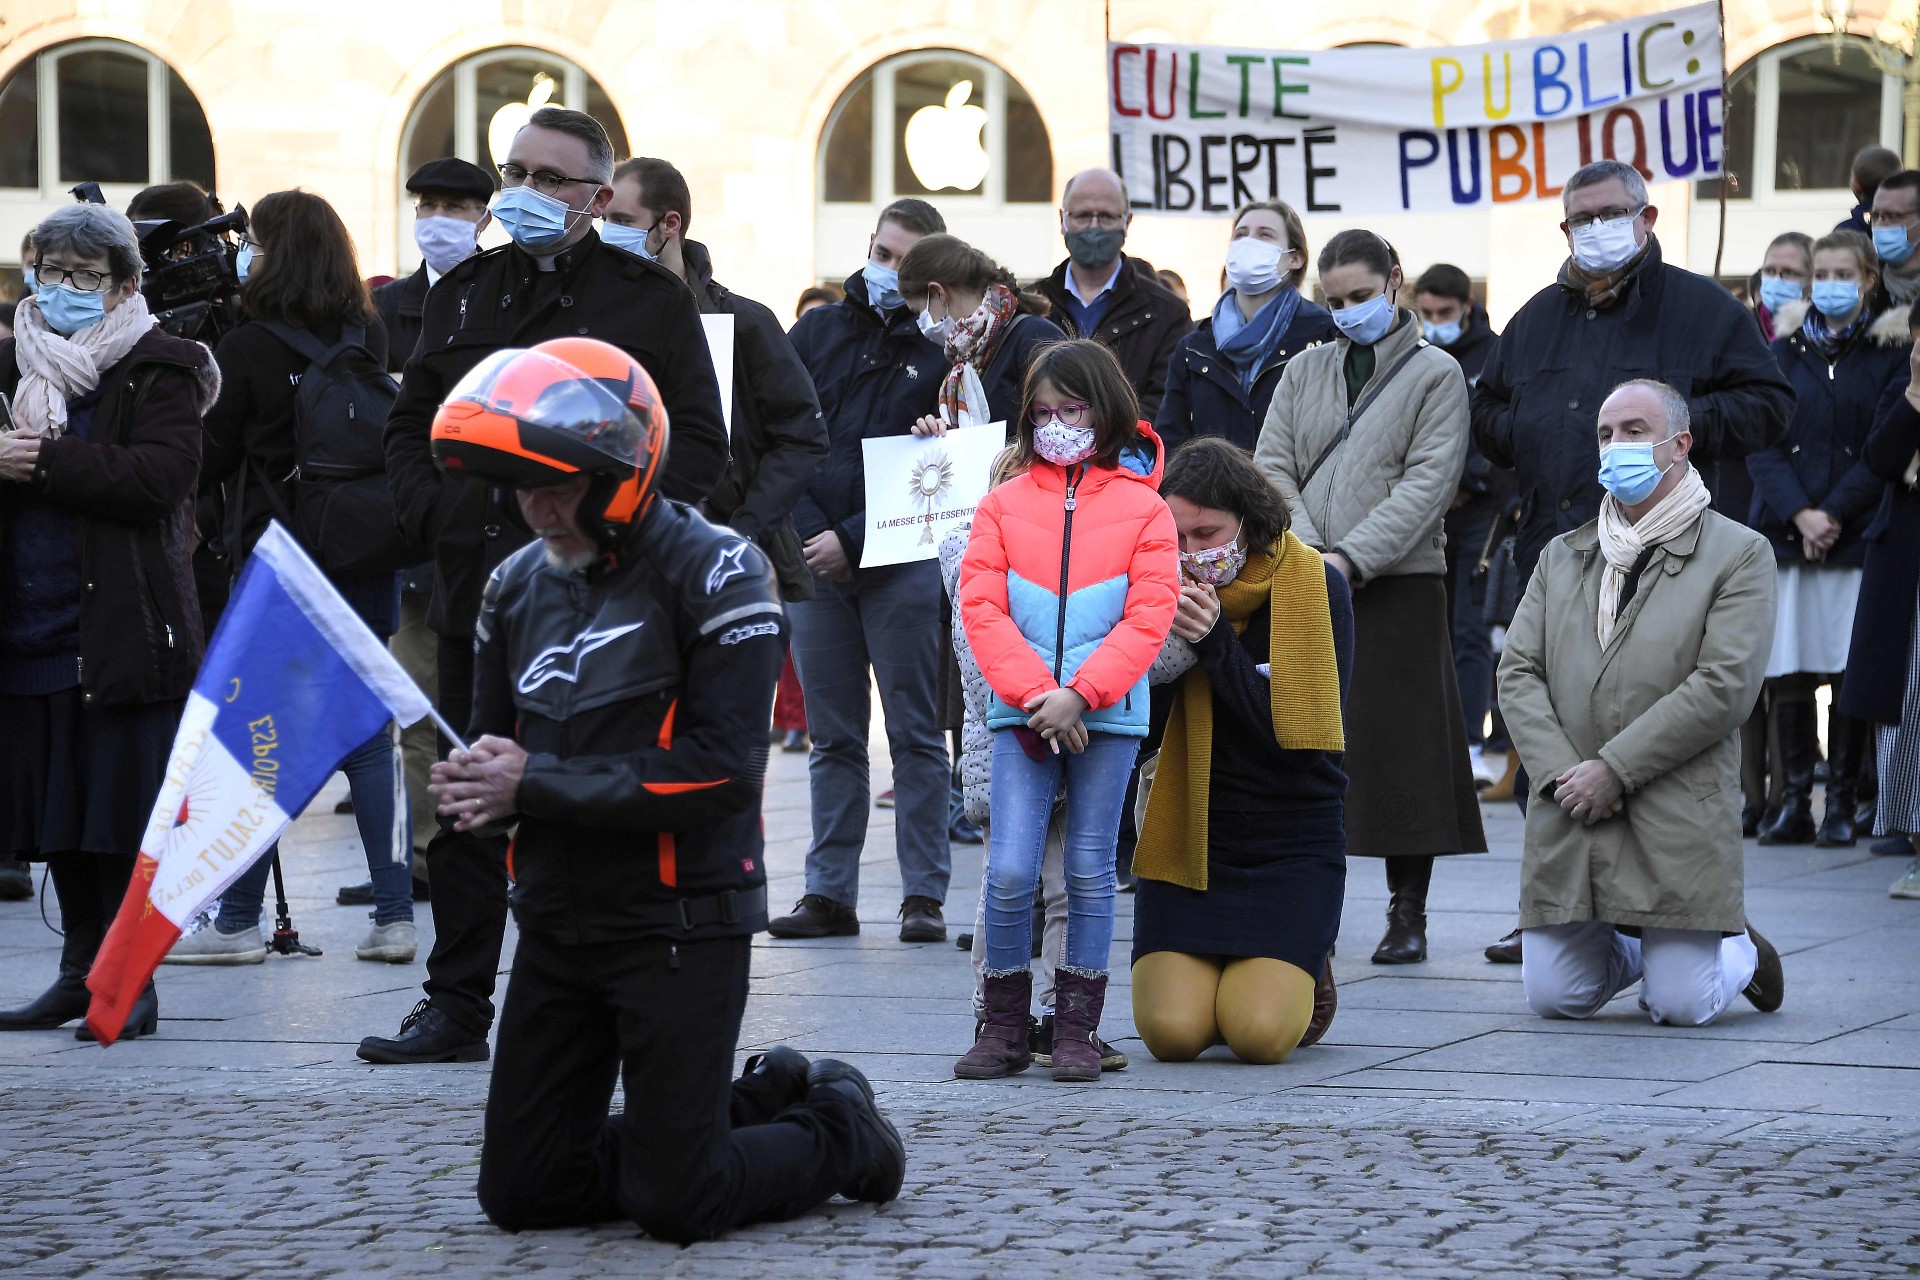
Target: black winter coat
x,y
501,298
875,377
130,486
1203,396
1142,327
1876,679
1821,461
401,303
779,437
1538,398
643,695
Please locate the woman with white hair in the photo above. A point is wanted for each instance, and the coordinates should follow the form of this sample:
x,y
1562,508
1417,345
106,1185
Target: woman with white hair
x,y
100,630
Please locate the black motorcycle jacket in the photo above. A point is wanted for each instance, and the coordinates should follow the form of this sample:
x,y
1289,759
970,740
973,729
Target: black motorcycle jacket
x,y
642,690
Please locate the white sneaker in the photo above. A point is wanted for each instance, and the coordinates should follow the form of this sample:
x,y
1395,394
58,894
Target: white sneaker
x,y
1908,885
1482,775
394,943
212,945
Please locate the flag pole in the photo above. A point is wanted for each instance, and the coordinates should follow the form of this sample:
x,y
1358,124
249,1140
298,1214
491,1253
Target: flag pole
x,y
446,730
1726,105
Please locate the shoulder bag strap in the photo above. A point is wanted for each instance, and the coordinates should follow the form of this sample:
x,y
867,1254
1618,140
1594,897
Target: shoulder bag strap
x,y
1360,406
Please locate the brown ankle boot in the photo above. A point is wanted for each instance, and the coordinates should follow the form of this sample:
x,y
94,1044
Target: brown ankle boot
x,y
1079,1001
1326,1001
1003,1047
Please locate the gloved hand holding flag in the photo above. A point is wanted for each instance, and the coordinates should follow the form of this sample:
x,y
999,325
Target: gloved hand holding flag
x,y
292,684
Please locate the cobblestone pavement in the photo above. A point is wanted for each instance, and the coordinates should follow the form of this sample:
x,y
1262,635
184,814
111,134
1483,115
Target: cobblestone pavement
x,y
1439,1131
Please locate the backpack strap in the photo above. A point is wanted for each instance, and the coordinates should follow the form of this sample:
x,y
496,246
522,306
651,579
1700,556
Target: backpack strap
x,y
301,340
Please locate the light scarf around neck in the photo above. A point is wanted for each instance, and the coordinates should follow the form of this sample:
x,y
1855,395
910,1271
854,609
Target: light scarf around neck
x,y
1623,541
971,346
1289,581
56,369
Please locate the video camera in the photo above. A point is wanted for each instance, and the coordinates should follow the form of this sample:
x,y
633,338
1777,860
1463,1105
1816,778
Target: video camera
x,y
190,280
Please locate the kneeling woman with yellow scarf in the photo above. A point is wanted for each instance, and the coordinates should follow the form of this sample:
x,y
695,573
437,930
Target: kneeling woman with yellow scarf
x,y
1242,857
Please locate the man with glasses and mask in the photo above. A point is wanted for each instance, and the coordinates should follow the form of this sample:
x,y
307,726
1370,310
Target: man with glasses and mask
x,y
556,279
1896,229
1617,313
1100,293
449,212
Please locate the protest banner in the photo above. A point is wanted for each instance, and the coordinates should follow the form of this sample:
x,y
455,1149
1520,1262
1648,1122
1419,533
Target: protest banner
x,y
919,487
1202,130
292,684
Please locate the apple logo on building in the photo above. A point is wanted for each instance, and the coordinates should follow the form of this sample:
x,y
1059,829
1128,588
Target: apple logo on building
x,y
943,143
513,117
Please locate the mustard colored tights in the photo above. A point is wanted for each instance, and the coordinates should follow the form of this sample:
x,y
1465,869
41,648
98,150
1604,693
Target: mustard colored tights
x,y
1183,1004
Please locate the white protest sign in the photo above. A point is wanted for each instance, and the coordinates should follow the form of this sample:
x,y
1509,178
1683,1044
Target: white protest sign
x,y
920,487
720,345
1202,130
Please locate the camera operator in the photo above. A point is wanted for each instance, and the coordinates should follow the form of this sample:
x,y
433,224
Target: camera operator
x,y
634,765
301,282
557,279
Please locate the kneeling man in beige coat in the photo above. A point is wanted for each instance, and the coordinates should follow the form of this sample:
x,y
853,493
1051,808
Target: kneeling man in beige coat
x,y
1635,657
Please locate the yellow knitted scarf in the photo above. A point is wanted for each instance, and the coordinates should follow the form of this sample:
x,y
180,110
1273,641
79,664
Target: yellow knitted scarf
x,y
1290,579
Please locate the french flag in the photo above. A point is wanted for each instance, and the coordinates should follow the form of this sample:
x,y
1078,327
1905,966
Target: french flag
x,y
292,684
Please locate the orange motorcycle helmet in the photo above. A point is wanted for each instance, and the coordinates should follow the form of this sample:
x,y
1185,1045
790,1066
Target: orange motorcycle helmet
x,y
535,417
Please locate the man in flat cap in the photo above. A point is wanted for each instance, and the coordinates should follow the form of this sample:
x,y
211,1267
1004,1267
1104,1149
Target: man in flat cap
x,y
449,209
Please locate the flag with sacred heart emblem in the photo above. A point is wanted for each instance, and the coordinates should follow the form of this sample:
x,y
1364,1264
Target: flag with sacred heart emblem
x,y
292,684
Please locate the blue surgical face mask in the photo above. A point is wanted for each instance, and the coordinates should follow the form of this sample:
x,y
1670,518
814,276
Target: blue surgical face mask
x,y
68,310
632,239
1836,299
1777,291
33,286
243,262
883,285
1628,471
531,219
1365,323
1444,334
1892,245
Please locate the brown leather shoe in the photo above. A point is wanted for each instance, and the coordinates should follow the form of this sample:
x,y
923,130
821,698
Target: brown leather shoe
x,y
921,921
816,917
1505,951
1503,789
1326,1001
1769,985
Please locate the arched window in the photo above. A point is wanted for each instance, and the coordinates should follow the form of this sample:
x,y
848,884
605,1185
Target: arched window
x,y
1797,114
99,111
936,123
945,126
473,109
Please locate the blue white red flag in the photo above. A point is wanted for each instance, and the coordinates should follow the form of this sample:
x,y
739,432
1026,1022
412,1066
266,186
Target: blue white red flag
x,y
292,684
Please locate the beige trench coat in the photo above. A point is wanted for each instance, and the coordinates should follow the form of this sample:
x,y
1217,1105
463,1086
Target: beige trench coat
x,y
1663,705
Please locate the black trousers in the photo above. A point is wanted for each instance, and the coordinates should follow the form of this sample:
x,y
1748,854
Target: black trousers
x,y
469,881
663,1017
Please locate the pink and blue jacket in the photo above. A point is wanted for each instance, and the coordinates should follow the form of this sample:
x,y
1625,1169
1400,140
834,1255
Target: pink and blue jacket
x,y
1070,579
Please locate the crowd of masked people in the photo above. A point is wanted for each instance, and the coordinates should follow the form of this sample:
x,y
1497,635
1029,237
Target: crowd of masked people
x,y
1247,598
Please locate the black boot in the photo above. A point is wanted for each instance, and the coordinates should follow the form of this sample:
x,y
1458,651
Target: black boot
x,y
142,1020
58,1005
16,880
1405,941
1794,761
1846,744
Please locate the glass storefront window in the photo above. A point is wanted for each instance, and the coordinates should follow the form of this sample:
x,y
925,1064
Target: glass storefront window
x,y
105,96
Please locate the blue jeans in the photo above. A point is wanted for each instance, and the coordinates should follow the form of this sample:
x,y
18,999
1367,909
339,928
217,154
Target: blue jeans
x,y
370,779
1023,792
886,620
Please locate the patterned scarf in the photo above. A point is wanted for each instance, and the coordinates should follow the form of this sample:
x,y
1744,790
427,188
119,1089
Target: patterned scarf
x,y
1622,541
1827,340
971,346
1602,292
1246,344
56,369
